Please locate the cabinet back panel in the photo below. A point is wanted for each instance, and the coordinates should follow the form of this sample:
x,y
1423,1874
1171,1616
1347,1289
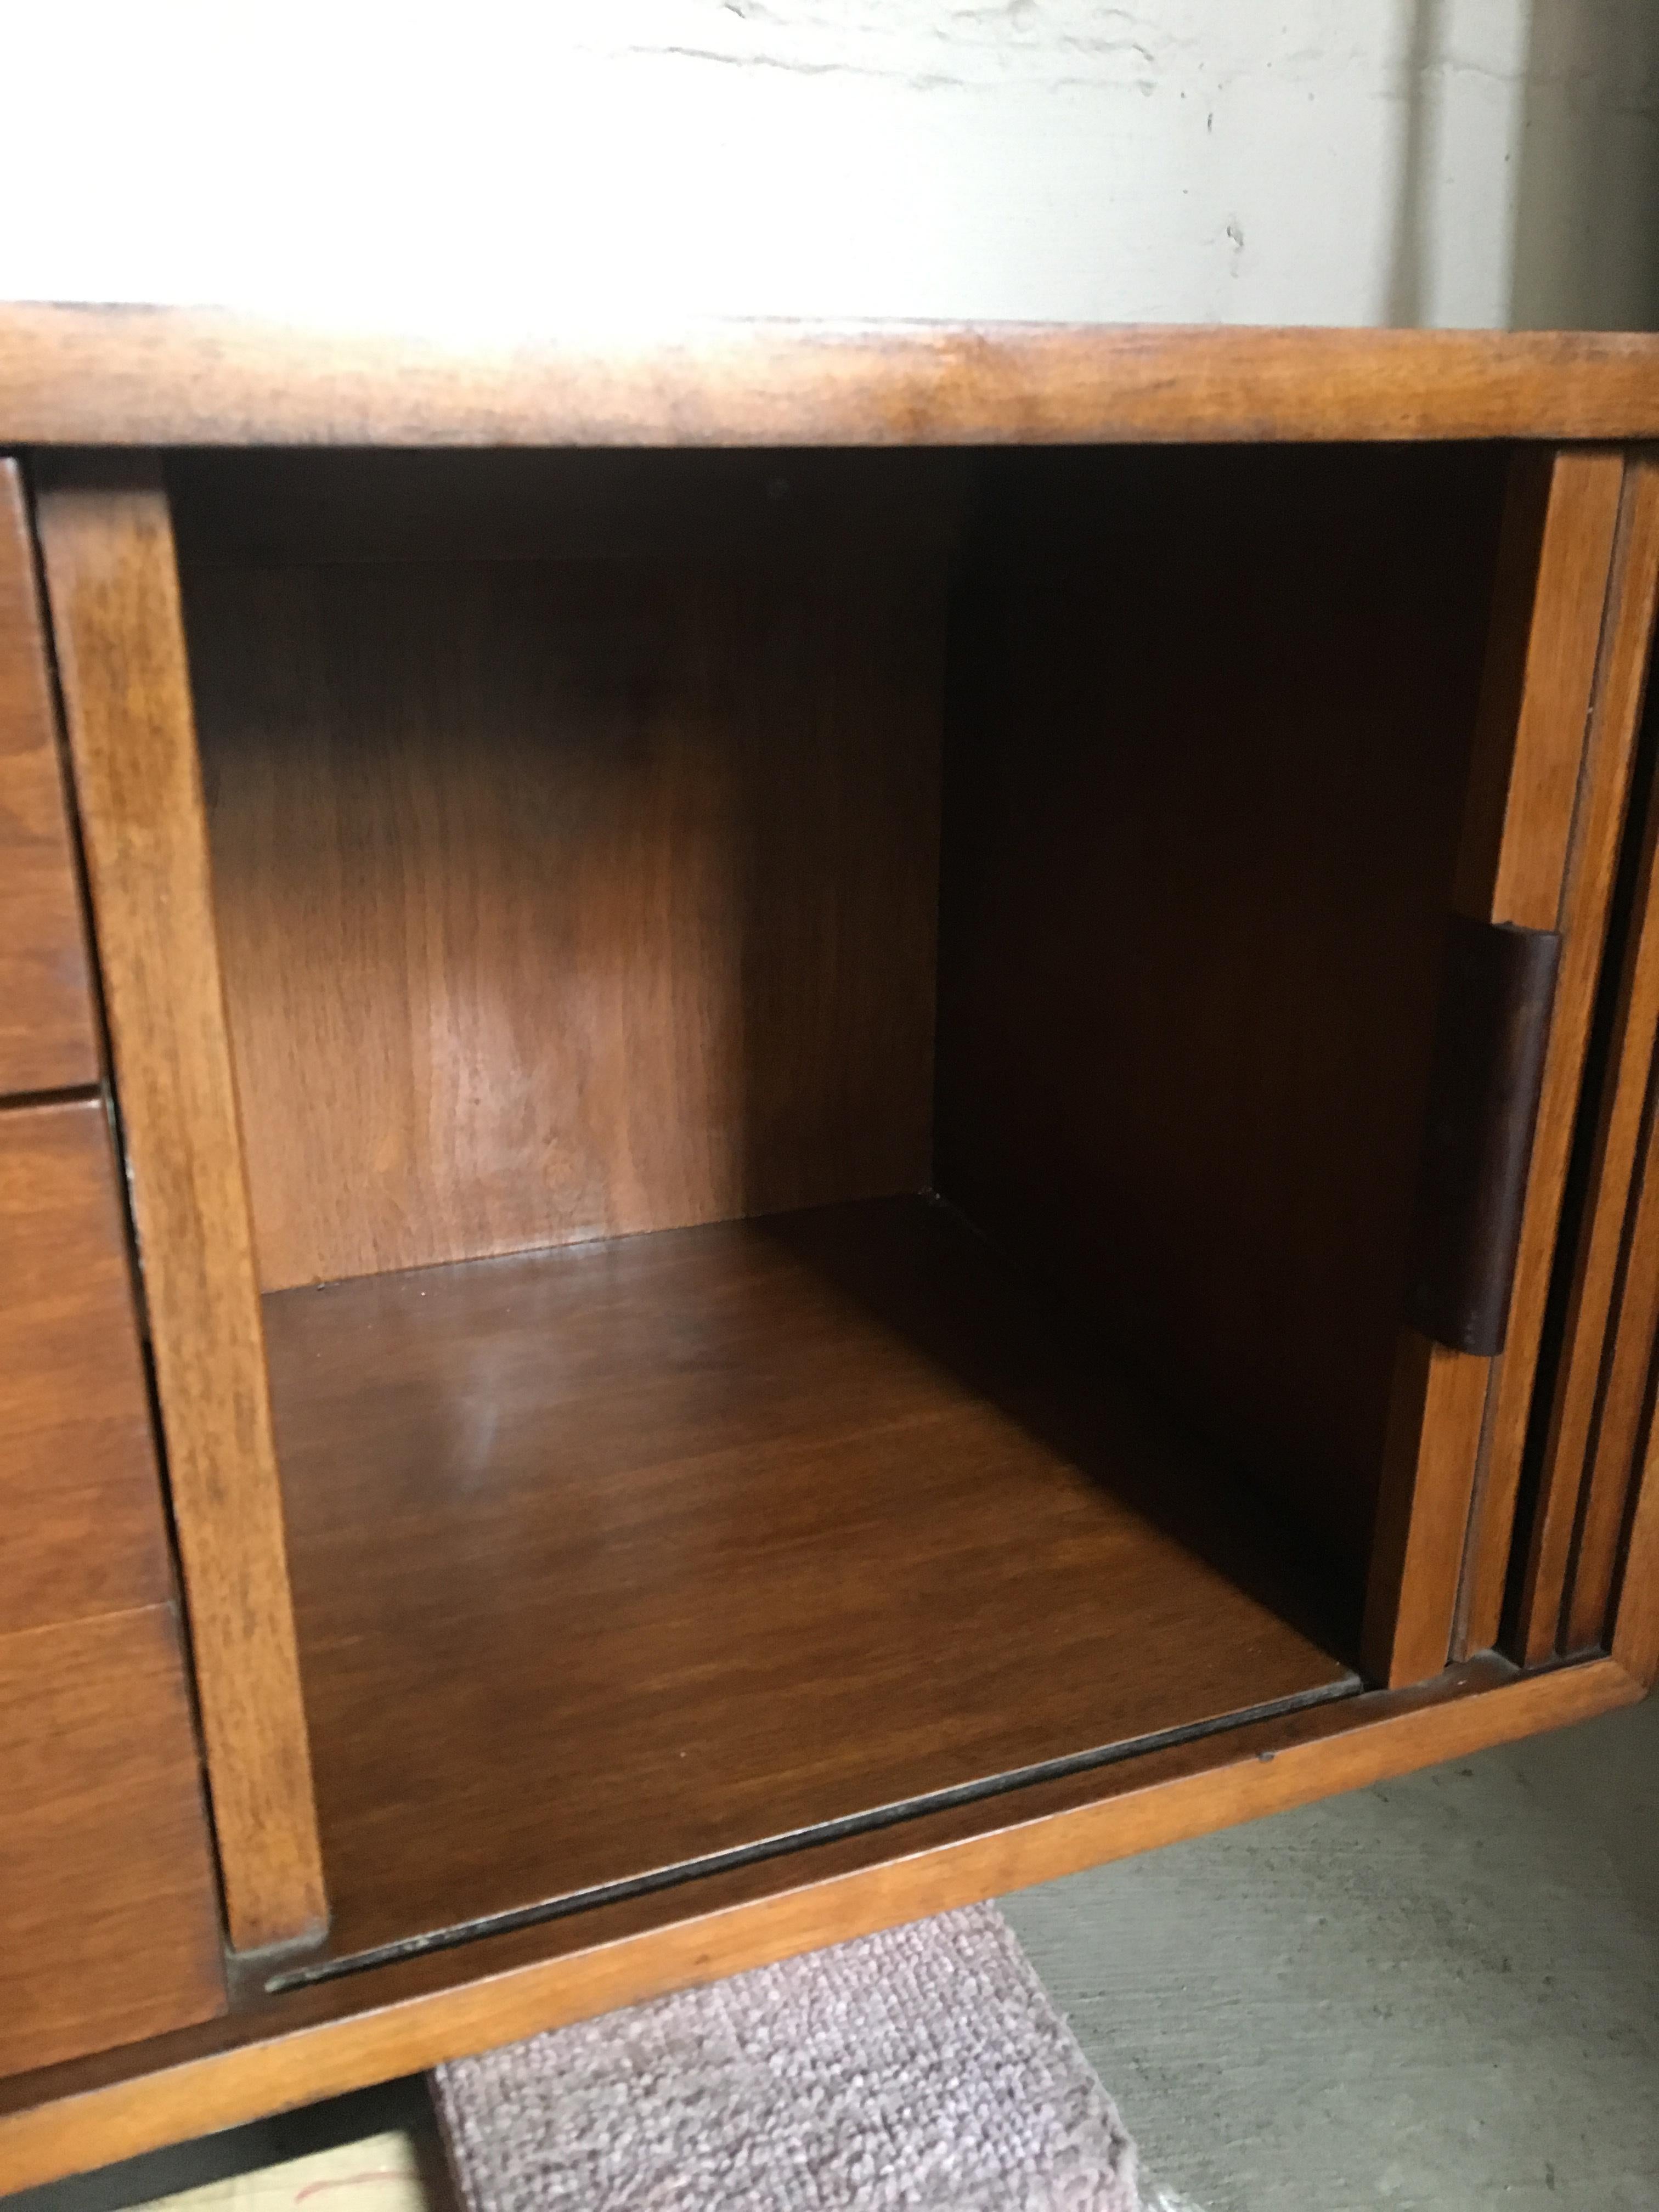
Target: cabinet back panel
x,y
265,508
561,899
1209,740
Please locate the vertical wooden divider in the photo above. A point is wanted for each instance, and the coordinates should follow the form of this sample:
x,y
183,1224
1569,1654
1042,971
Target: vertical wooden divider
x,y
106,540
1451,1418
1428,1474
1600,1483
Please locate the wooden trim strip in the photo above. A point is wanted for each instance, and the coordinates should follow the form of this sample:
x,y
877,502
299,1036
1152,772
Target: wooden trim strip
x,y
142,376
1576,1473
1636,1620
1534,708
1618,1444
106,537
403,2018
1525,778
1435,1414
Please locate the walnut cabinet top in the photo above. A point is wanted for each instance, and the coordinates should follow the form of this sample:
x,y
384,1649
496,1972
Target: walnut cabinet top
x,y
150,376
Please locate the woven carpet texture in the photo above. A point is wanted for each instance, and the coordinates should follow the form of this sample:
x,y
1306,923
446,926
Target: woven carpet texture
x,y
920,2070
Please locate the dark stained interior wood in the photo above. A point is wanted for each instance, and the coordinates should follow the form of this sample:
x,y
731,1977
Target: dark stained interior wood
x,y
81,1527
577,821
650,1550
297,508
564,899
577,866
1207,747
109,1914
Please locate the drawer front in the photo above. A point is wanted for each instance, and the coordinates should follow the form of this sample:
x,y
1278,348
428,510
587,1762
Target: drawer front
x,y
47,1040
81,1529
108,1920
107,1903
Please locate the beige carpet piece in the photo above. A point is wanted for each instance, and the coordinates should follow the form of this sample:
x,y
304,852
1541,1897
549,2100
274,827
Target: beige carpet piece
x,y
923,2070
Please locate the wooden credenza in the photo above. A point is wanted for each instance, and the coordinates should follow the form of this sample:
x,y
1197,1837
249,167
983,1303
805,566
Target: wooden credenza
x,y
794,1125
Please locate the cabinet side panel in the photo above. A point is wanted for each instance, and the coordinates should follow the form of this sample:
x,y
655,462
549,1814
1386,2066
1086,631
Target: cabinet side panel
x,y
1210,738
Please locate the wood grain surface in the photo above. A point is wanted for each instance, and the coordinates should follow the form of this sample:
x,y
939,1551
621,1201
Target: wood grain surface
x,y
1623,1453
108,1915
1636,1622
1620,1233
114,591
1527,787
1577,1484
1560,519
1435,1416
1563,705
1206,758
1614,1469
564,900
688,508
80,1515
1492,1036
47,1037
400,2018
73,375
669,1547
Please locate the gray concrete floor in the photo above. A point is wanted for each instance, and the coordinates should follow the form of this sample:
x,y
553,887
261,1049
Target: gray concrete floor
x,y
1435,1996
1438,1996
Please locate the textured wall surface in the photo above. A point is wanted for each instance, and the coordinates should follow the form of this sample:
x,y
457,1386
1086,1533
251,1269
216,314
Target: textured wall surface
x,y
1469,162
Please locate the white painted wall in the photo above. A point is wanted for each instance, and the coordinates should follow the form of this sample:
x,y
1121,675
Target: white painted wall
x,y
1468,162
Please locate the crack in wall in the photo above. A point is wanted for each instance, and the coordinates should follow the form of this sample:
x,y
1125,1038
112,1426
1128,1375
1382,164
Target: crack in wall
x,y
1063,42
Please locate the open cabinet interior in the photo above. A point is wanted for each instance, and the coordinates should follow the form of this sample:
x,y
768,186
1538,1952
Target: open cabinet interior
x,y
832,1052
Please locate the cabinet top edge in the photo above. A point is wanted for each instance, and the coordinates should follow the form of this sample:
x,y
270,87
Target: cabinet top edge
x,y
186,376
